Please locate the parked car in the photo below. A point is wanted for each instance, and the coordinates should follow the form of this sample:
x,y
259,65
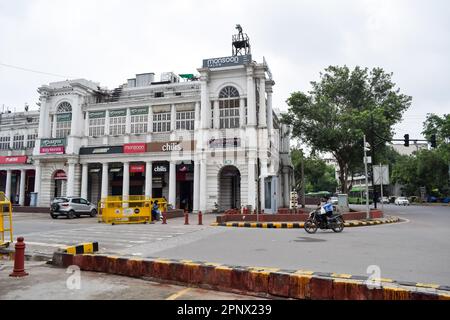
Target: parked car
x,y
384,200
402,201
72,207
334,200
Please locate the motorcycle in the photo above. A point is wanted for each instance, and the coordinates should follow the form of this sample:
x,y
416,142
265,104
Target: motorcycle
x,y
315,221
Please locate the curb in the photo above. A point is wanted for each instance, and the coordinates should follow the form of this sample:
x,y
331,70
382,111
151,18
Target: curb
x,y
88,247
256,281
299,225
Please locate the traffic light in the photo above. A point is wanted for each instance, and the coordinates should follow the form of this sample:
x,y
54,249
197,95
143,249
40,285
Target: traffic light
x,y
406,140
433,141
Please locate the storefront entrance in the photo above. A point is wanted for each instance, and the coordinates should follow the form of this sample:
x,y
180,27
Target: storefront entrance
x,y
229,188
59,184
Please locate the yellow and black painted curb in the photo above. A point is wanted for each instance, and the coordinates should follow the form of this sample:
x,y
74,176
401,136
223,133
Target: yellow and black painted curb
x,y
88,247
300,225
296,284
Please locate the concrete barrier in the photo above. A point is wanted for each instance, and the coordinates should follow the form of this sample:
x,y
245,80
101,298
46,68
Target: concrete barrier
x,y
262,282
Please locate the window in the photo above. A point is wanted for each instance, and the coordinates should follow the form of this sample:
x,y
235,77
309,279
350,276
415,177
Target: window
x,y
31,140
185,120
4,143
139,123
96,127
117,125
18,142
229,108
161,122
63,119
159,94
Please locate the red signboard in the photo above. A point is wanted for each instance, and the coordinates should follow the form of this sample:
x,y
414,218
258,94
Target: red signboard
x,y
52,149
60,175
13,160
134,168
135,148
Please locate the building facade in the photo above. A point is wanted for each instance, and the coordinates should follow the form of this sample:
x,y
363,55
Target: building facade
x,y
208,143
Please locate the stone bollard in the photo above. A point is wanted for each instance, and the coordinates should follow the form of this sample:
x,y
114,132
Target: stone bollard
x,y
19,259
200,218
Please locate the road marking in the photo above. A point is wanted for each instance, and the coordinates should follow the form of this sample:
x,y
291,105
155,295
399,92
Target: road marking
x,y
46,244
178,294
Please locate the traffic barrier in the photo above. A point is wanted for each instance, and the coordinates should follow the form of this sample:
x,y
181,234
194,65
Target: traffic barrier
x,y
5,212
88,247
19,259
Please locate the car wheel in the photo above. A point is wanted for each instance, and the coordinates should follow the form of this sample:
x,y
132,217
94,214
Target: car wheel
x,y
71,214
93,213
54,216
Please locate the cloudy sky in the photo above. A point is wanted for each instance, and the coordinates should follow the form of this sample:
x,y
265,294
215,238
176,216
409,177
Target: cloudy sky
x,y
112,40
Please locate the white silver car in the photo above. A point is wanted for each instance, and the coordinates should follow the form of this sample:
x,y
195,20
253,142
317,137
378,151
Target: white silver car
x,y
402,201
72,207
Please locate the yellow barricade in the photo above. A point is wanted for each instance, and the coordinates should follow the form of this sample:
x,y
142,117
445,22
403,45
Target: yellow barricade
x,y
136,209
5,228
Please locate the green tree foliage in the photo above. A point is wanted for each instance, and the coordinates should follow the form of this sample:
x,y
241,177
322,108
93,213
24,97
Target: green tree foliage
x,y
318,175
439,126
343,106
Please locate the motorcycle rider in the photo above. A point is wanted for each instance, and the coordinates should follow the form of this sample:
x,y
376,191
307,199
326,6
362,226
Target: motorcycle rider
x,y
326,210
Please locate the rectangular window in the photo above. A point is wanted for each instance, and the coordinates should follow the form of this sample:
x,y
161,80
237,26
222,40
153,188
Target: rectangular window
x,y
185,120
63,128
18,142
139,123
96,127
229,113
31,140
159,94
161,122
117,125
4,143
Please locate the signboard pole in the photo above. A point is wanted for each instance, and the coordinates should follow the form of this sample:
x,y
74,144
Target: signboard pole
x,y
367,180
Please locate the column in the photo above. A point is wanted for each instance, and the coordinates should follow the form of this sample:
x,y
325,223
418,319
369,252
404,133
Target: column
x,y
269,111
84,181
262,195
205,104
287,190
203,194
126,181
22,187
37,176
43,119
148,179
251,101
242,112
197,116
105,180
128,122
150,119
196,201
251,184
86,124
262,103
216,115
54,126
173,118
71,180
172,184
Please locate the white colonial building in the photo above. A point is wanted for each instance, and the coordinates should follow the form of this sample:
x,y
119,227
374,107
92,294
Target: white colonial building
x,y
211,141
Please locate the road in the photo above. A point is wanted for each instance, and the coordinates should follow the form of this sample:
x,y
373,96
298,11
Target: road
x,y
415,250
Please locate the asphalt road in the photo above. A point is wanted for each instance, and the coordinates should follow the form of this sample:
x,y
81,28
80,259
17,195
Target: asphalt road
x,y
415,250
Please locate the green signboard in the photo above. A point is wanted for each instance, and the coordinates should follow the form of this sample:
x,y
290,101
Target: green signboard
x,y
53,142
118,113
139,111
97,114
64,117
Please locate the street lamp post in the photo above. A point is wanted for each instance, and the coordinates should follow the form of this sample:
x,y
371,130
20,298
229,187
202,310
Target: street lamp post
x,y
367,180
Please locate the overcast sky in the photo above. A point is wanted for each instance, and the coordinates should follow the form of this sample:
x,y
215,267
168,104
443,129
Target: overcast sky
x,y
110,41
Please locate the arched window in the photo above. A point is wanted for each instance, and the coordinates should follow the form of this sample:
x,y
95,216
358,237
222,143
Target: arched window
x,y
229,108
63,119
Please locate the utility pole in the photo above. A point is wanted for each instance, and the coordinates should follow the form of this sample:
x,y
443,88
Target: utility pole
x,y
367,180
303,179
372,145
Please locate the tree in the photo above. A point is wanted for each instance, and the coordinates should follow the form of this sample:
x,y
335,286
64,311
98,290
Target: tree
x,y
318,175
440,127
342,107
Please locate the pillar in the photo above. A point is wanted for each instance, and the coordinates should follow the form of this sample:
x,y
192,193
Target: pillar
x,y
196,202
173,118
172,184
105,180
148,179
197,116
216,115
251,101
205,104
126,181
71,180
286,190
22,187
37,177
242,112
251,184
84,181
269,111
262,195
262,103
203,193
54,126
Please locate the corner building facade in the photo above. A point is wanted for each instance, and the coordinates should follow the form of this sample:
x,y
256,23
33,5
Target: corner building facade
x,y
208,143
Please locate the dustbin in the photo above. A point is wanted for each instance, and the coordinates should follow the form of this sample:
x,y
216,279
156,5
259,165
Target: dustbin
x,y
33,199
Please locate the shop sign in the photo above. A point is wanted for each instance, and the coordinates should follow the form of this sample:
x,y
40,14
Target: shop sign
x,y
13,160
139,111
97,114
225,143
171,146
118,113
53,142
135,148
52,150
135,168
64,117
227,61
101,150
159,168
60,175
